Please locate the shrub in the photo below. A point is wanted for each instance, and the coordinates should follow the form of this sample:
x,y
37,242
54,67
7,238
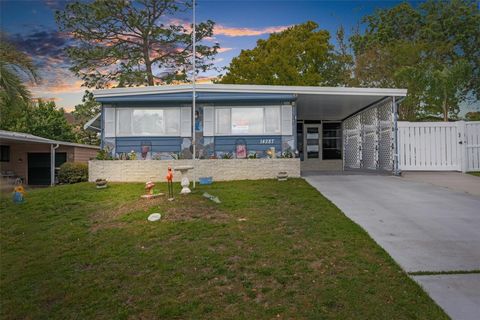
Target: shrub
x,y
73,172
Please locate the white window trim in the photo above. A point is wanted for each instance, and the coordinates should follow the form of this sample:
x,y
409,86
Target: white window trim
x,y
264,107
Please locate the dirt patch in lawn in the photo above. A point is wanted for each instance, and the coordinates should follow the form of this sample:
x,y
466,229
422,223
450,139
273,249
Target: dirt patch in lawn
x,y
183,208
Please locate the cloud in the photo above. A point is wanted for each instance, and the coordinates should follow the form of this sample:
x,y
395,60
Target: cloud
x,y
44,46
245,32
222,50
55,4
61,86
223,30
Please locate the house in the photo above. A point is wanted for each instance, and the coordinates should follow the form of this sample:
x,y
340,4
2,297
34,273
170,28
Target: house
x,y
326,128
34,159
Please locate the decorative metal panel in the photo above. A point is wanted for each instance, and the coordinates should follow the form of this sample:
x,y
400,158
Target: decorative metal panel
x,y
352,142
368,138
386,141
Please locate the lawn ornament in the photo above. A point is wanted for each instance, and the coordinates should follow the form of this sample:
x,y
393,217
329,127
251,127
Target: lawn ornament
x,y
154,217
149,187
185,182
18,193
282,176
149,191
169,178
101,183
211,197
271,153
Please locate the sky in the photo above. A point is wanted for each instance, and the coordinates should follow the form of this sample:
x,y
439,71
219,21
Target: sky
x,y
239,24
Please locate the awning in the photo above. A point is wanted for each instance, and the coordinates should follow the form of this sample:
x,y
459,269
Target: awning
x,y
94,124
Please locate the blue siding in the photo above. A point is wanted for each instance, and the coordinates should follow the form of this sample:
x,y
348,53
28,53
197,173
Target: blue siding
x,y
159,144
227,143
202,97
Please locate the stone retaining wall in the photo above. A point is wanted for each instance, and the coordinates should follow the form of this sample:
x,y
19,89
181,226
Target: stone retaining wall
x,y
219,169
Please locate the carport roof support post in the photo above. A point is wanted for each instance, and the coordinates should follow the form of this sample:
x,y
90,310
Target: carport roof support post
x,y
396,170
53,147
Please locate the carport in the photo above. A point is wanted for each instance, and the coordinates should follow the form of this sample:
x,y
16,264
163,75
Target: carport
x,y
34,159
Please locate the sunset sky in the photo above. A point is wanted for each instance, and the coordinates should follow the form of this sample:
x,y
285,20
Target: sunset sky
x,y
239,24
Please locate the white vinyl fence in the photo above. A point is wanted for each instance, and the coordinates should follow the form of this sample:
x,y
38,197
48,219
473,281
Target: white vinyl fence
x,y
439,146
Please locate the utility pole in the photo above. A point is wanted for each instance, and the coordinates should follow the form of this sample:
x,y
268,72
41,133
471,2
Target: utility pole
x,y
194,142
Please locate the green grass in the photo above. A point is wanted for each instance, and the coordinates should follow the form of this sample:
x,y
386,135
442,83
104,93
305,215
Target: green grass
x,y
477,173
269,250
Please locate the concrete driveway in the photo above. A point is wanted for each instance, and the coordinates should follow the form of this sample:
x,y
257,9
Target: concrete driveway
x,y
424,227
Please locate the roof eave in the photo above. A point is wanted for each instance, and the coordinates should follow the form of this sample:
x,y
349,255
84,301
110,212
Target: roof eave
x,y
252,89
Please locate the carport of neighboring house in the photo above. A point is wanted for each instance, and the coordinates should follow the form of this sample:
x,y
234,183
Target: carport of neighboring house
x,y
34,159
330,128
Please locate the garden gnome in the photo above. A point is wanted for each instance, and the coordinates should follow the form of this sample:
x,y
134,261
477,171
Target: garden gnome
x,y
169,178
149,187
18,193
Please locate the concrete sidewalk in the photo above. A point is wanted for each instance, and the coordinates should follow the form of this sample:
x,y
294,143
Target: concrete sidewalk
x,y
457,294
423,227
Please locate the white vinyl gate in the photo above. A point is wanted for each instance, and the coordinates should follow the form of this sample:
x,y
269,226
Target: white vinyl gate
x,y
368,139
447,146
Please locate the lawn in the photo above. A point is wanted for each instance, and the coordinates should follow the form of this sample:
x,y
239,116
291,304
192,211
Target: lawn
x,y
476,173
269,250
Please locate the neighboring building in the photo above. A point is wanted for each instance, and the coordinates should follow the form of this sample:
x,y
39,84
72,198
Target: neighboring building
x,y
30,158
327,128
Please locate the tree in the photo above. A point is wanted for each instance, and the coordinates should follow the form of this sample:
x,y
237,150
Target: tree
x,y
43,119
15,66
133,43
407,46
82,114
299,55
445,88
472,116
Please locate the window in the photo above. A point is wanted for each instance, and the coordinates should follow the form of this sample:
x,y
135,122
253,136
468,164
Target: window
x,y
222,123
332,140
247,121
272,120
149,122
4,153
109,119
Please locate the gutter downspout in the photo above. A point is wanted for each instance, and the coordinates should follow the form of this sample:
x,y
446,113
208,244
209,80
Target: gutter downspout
x,y
52,163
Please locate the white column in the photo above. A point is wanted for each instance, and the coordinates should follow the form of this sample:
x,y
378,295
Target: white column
x,y
52,165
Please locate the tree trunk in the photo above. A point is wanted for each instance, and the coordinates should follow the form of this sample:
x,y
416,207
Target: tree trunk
x,y
148,66
148,63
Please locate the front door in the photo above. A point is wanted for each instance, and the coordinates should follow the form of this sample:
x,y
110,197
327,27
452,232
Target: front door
x,y
312,142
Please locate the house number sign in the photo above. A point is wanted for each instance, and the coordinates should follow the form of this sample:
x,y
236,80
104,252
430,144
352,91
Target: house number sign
x,y
267,141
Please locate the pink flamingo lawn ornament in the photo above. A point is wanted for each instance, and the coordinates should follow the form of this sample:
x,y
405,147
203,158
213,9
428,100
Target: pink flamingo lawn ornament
x,y
169,178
